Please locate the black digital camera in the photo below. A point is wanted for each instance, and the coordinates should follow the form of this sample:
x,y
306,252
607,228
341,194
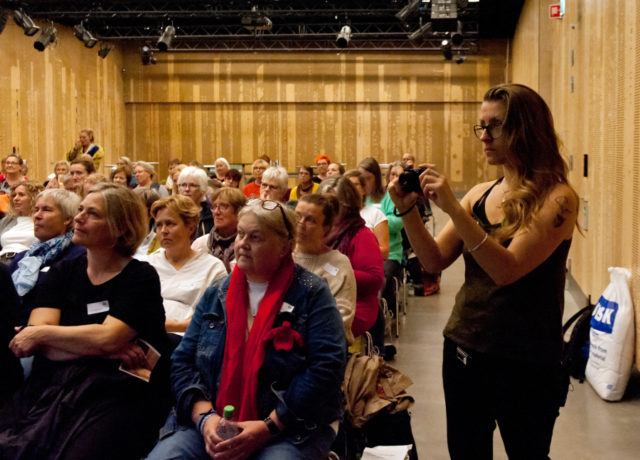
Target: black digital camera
x,y
409,180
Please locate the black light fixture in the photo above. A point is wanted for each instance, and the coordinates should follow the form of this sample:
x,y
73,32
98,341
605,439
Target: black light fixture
x,y
23,20
456,37
47,37
164,42
84,36
147,56
344,37
420,32
4,15
104,49
409,9
445,46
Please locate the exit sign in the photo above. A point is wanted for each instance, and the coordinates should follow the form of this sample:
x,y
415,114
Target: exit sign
x,y
555,11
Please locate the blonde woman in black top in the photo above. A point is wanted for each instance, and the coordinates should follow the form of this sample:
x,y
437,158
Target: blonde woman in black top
x,y
503,340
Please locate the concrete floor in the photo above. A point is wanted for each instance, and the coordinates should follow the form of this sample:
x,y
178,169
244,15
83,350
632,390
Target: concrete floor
x,y
588,427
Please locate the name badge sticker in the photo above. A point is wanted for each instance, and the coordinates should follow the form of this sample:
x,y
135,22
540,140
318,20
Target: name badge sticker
x,y
287,308
330,269
97,307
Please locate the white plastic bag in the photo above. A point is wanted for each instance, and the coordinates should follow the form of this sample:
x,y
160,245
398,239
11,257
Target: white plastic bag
x,y
612,338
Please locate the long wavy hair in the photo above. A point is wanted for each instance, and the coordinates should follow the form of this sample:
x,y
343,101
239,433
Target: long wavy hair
x,y
533,154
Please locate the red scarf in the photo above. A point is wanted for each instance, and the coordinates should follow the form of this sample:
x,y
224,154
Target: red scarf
x,y
243,359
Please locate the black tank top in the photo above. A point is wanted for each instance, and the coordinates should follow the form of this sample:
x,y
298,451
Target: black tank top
x,y
520,321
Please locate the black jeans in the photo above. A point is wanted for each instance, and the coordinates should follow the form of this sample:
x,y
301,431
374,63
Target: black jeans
x,y
480,391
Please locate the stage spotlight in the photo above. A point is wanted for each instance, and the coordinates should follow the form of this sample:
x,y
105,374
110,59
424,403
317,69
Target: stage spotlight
x,y
164,42
84,36
23,20
411,8
445,46
147,56
344,37
47,37
104,49
419,33
456,37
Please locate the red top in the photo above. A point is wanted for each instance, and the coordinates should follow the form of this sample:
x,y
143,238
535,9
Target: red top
x,y
366,260
251,190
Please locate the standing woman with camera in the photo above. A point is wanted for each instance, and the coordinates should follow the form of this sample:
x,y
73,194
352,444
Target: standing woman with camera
x,y
503,340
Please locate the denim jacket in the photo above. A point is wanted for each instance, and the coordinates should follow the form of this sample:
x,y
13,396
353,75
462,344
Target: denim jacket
x,y
302,384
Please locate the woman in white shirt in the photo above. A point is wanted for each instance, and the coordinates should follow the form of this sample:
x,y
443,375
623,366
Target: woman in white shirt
x,y
16,229
184,273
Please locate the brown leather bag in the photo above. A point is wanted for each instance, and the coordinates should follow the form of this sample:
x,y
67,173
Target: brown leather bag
x,y
371,385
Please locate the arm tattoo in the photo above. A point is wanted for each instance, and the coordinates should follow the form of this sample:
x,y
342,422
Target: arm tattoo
x,y
563,211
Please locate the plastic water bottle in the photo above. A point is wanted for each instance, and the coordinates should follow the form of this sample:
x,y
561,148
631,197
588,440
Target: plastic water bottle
x,y
227,428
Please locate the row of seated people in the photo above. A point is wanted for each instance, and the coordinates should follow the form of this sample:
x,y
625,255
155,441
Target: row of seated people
x,y
86,310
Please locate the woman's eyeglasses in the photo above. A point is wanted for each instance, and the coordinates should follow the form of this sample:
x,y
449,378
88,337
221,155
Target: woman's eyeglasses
x,y
270,205
494,130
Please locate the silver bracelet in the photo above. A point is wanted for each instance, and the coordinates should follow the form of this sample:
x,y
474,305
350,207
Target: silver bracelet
x,y
477,246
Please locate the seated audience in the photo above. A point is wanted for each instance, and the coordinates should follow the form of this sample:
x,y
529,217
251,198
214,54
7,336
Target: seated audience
x,y
184,273
53,229
252,189
125,162
305,186
222,168
322,166
170,167
379,197
12,172
374,218
352,238
9,363
274,183
335,169
145,174
121,176
192,183
85,146
91,180
233,178
267,340
150,243
90,316
16,228
79,170
314,216
56,180
227,202
408,161
177,169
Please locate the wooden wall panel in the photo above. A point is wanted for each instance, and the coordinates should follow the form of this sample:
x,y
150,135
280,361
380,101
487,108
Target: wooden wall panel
x,y
295,106
49,96
590,76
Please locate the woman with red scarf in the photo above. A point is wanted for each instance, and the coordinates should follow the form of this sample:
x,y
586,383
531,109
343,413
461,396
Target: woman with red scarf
x,y
268,340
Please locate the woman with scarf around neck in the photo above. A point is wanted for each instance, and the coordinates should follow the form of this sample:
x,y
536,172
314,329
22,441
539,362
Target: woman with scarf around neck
x,y
306,185
351,237
53,229
220,242
267,339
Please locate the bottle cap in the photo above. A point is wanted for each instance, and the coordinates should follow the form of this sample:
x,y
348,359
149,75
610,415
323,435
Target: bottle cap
x,y
228,411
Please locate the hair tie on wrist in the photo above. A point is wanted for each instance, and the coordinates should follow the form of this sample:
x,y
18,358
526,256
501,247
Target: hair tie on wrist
x,y
400,214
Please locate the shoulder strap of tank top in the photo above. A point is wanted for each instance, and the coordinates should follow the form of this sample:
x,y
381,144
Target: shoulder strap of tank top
x,y
478,206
